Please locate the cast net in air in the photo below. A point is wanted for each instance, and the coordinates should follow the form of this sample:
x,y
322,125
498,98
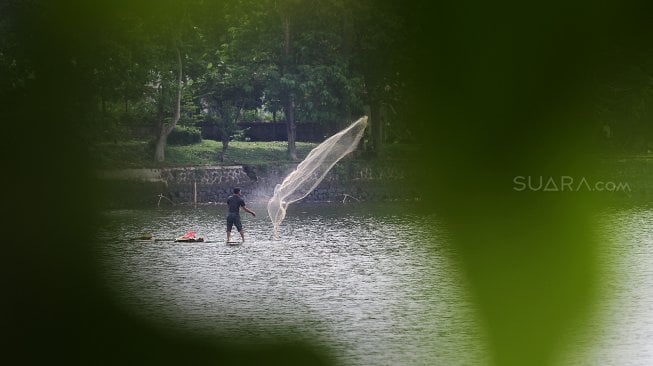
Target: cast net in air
x,y
310,172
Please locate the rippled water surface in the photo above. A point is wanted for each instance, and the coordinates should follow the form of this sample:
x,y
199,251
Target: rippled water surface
x,y
370,282
374,283
621,332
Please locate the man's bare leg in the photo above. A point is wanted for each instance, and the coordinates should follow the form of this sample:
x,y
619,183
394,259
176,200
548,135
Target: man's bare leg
x,y
242,235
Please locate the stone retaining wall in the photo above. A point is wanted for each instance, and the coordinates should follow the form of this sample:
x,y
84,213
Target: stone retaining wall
x,y
215,183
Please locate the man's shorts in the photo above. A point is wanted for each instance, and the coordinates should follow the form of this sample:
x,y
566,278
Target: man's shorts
x,y
234,219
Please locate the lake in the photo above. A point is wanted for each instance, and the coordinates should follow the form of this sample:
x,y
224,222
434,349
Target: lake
x,y
621,332
367,281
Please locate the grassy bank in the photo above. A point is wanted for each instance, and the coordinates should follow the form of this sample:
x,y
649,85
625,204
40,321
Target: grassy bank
x,y
138,154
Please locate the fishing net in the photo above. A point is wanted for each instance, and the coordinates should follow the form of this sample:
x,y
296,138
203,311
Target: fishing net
x,y
311,171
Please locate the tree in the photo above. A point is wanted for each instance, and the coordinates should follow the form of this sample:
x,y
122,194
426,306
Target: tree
x,y
228,79
163,35
165,127
287,95
303,52
316,80
170,27
264,29
387,76
226,90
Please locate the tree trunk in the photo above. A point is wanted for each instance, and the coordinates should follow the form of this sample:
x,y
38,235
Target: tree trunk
x,y
159,149
377,127
290,103
291,128
166,128
374,131
225,146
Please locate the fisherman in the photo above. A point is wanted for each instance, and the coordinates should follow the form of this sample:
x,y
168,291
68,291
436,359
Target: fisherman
x,y
234,203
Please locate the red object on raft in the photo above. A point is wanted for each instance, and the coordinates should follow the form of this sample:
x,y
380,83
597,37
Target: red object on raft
x,y
189,237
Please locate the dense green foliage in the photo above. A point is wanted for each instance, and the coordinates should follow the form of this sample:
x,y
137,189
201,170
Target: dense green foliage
x,y
185,136
248,59
300,61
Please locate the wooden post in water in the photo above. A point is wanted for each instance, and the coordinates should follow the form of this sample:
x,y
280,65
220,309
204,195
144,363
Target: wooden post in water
x,y
195,193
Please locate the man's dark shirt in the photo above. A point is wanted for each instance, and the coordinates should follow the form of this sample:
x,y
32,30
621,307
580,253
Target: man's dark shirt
x,y
235,202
